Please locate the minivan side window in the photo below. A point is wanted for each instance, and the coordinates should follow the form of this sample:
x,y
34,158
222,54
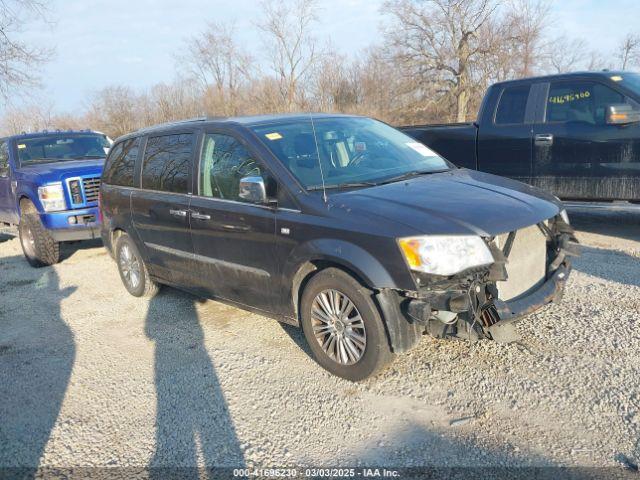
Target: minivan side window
x,y
120,166
223,162
4,160
167,162
581,101
513,105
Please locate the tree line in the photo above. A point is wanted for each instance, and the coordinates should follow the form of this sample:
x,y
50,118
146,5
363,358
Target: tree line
x,y
433,62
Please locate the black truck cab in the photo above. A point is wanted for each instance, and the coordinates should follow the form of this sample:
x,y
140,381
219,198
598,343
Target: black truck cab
x,y
574,135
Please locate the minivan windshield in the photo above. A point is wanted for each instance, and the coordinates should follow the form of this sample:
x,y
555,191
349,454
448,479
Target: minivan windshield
x,y
62,147
353,152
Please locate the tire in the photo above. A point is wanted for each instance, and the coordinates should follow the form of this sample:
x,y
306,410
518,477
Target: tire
x,y
133,271
38,246
353,360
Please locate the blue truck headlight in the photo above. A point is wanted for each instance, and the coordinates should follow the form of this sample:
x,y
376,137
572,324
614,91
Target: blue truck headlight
x,y
52,197
445,254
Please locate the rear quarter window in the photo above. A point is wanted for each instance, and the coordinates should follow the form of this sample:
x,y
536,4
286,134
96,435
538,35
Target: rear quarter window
x,y
120,165
167,163
512,105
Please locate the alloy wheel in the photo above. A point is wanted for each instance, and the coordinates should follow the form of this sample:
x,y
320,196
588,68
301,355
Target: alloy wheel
x,y
130,266
338,327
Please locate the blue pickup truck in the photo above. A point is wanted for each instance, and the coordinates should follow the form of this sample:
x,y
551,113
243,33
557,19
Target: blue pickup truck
x,y
49,187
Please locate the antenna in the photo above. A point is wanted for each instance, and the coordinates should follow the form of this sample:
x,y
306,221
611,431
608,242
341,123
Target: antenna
x,y
315,139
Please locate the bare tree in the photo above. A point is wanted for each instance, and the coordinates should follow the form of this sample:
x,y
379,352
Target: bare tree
x,y
629,51
437,41
169,102
115,110
438,59
30,117
222,67
36,115
525,26
287,26
597,61
566,54
333,87
18,60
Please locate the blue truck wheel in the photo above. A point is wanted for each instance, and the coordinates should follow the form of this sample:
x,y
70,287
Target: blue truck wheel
x,y
39,247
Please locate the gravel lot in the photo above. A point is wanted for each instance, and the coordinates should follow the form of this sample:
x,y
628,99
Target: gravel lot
x,y
90,376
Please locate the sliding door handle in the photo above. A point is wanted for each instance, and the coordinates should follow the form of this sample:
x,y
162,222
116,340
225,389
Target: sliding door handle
x,y
200,216
543,139
179,213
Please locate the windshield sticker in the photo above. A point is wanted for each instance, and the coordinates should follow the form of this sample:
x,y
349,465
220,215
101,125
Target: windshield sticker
x,y
616,78
569,97
421,149
106,150
21,146
273,136
360,147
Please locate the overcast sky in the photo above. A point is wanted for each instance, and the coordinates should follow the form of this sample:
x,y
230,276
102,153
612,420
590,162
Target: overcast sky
x,y
134,42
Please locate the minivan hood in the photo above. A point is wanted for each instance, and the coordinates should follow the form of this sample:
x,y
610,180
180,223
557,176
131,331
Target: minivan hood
x,y
58,171
458,202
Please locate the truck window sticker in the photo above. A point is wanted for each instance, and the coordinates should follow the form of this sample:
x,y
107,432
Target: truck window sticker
x,y
569,97
273,136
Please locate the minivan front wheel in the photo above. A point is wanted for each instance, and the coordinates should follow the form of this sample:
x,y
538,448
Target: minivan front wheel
x,y
133,271
343,326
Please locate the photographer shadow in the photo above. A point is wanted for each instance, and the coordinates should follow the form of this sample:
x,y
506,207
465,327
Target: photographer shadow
x,y
195,434
37,354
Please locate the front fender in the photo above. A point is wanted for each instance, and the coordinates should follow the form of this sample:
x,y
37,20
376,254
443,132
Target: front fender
x,y
30,195
362,263
401,335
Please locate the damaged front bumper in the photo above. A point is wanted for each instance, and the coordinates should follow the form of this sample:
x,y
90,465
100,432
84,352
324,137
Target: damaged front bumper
x,y
508,312
469,306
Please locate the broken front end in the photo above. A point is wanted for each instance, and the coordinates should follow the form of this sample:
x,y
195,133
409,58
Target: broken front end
x,y
529,269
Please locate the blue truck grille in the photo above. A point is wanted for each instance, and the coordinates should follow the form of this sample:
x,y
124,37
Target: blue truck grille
x,y
91,189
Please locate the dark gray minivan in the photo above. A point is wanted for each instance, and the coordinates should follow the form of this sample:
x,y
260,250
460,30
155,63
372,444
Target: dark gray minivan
x,y
340,224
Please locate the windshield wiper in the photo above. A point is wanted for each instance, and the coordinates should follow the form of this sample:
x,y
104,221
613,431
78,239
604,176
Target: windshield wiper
x,y
406,176
343,185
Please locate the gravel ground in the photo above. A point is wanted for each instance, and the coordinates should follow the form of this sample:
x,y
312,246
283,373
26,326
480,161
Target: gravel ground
x,y
90,376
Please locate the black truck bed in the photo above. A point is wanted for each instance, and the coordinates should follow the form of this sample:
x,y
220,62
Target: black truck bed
x,y
456,141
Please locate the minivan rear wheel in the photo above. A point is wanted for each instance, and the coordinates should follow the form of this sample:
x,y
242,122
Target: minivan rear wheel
x,y
133,271
343,326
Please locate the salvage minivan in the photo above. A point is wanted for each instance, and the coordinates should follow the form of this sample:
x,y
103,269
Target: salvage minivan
x,y
339,224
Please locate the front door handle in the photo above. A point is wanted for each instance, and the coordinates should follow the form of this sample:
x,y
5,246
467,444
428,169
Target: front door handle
x,y
178,213
543,139
200,216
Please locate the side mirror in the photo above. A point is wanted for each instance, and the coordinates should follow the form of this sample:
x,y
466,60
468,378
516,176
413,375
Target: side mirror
x,y
622,114
253,190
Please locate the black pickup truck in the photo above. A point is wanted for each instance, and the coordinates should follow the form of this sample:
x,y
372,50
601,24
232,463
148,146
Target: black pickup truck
x,y
575,135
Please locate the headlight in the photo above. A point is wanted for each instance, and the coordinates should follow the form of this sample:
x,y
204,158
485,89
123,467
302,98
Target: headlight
x,y
52,197
445,255
565,216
